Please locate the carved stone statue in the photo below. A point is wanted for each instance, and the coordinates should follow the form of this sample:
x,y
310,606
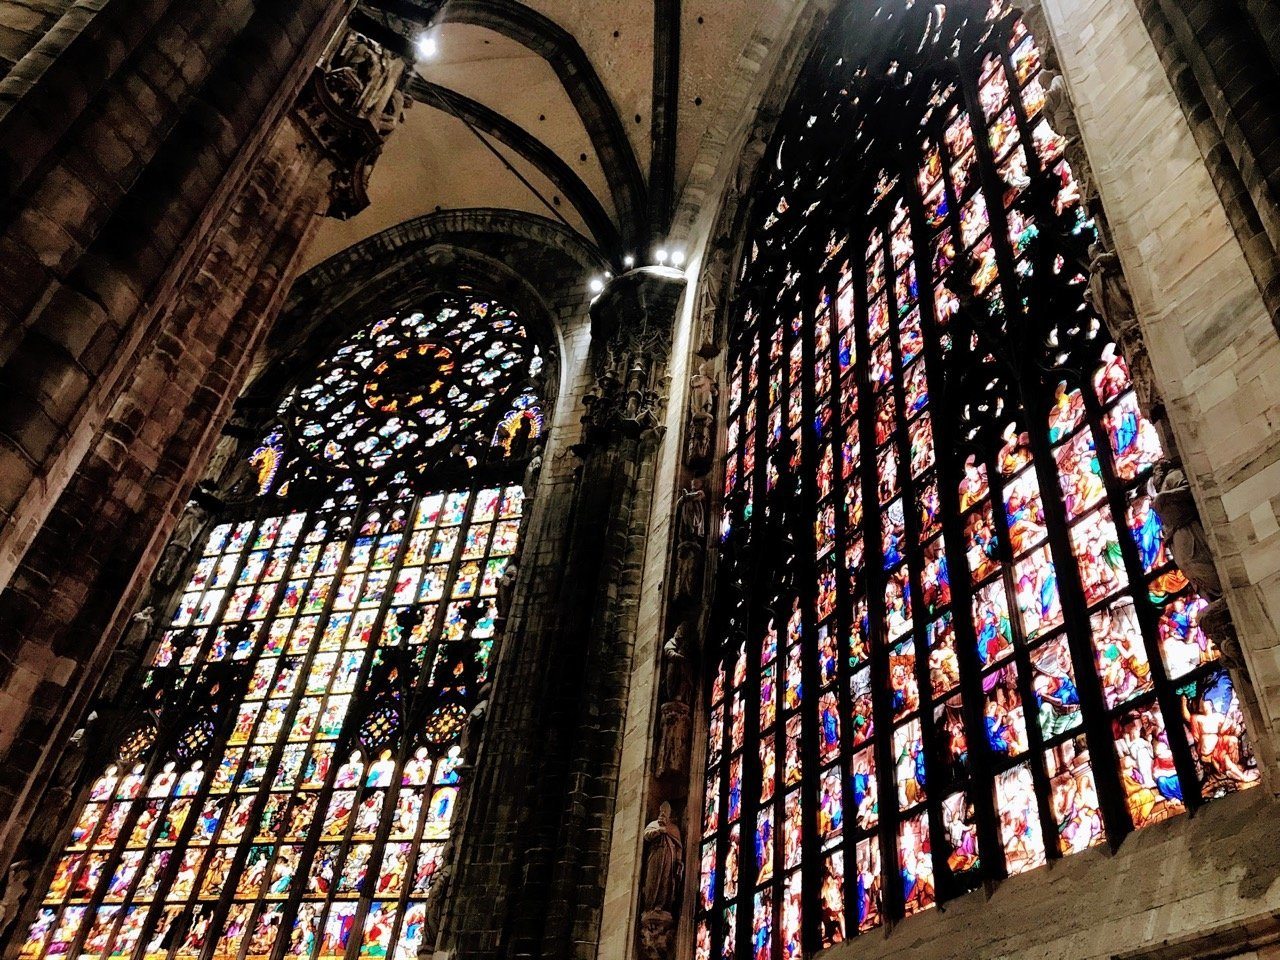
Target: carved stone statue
x,y
475,723
139,628
700,431
363,75
174,558
691,510
699,437
663,862
688,570
1109,291
1184,531
715,273
507,588
677,684
672,757
532,472
1062,117
703,391
17,883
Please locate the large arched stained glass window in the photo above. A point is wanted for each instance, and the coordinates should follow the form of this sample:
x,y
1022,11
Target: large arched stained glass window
x,y
289,786
952,644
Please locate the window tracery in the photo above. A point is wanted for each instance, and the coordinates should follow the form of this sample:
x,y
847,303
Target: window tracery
x,y
290,781
952,643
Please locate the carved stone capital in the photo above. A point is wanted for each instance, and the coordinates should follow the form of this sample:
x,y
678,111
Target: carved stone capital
x,y
347,109
632,325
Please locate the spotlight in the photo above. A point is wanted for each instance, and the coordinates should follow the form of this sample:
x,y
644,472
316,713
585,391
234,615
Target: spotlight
x,y
677,258
628,261
596,285
426,46
660,256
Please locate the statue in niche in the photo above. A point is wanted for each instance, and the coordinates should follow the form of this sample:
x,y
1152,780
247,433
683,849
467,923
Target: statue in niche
x,y
363,76
672,756
700,431
475,722
174,558
691,511
532,472
507,588
663,862
521,438
677,681
1189,546
703,391
1108,292
715,271
688,571
17,883
1062,117
1184,530
135,636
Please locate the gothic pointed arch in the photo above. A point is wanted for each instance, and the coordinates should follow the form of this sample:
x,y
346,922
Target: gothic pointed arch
x,y
950,642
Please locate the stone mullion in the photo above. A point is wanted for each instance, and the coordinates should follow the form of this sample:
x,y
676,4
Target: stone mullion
x,y
351,723
874,578
1015,291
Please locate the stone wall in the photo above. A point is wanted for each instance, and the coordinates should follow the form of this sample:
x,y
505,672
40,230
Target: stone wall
x,y
1181,889
146,254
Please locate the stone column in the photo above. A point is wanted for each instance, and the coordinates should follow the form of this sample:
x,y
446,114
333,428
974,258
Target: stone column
x,y
535,846
72,594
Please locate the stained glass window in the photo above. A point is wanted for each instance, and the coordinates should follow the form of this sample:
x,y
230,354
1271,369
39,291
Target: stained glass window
x,y
952,644
289,786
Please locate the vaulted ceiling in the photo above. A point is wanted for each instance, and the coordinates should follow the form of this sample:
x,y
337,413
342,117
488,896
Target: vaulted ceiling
x,y
601,113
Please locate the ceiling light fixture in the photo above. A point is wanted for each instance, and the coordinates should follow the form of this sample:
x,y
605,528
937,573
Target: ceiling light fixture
x,y
426,46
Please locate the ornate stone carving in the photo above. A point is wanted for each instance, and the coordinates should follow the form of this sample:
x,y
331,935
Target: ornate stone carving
x,y
677,676
688,579
174,558
657,934
506,588
700,429
1189,546
672,758
691,511
631,329
350,106
663,863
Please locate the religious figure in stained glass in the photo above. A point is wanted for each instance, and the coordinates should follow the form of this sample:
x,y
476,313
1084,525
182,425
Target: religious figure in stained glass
x,y
936,454
293,781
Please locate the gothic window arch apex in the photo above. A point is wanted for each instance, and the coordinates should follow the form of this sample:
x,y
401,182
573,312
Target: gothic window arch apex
x,y
289,773
951,638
